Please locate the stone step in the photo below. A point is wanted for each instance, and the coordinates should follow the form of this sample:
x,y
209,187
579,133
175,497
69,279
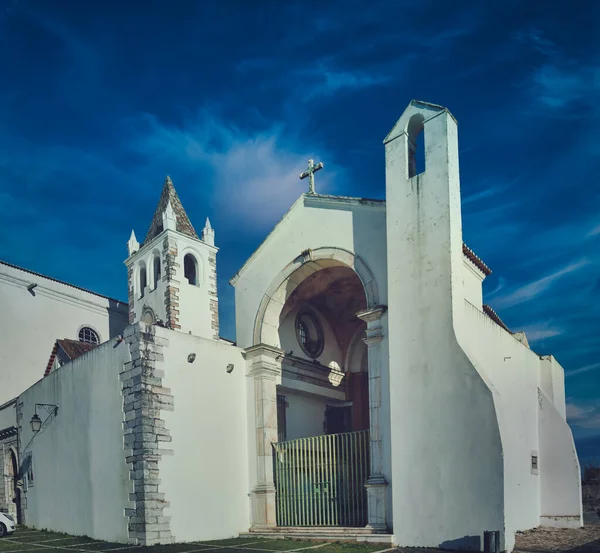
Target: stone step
x,y
319,533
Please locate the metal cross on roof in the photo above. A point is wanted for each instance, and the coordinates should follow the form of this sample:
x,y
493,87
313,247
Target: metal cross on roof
x,y
310,173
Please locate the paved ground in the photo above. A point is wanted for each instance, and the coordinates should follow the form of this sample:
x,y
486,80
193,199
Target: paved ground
x,y
546,540
35,541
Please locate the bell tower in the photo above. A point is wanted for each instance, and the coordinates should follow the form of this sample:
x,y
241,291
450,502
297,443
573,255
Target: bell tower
x,y
172,275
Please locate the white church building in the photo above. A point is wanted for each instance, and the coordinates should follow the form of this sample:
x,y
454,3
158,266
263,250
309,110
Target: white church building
x,y
370,391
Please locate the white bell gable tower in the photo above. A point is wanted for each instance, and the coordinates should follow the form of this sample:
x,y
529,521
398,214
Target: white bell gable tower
x,y
172,275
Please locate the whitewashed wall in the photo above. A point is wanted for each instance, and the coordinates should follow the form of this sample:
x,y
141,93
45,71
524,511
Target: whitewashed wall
x,y
472,284
29,325
560,499
512,369
352,225
446,448
206,478
80,475
552,382
8,415
305,415
311,223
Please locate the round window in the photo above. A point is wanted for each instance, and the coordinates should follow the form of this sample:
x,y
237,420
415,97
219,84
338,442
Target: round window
x,y
88,335
309,334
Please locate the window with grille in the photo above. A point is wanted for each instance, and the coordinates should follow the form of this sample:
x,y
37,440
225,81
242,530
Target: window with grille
x,y
88,335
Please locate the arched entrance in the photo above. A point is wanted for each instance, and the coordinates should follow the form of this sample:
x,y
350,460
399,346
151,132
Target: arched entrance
x,y
12,477
313,362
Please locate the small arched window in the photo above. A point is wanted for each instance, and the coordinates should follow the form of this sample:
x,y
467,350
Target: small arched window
x,y
88,335
157,274
143,279
190,269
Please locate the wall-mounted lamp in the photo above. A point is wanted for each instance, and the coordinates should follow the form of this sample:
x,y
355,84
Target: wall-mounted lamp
x,y
31,287
36,422
230,368
191,357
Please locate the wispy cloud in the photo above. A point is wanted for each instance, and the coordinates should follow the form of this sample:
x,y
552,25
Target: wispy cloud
x,y
585,416
252,176
593,232
582,370
484,194
560,86
327,82
537,39
536,288
560,81
542,331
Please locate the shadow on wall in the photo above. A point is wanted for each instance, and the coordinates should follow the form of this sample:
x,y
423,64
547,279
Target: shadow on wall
x,y
118,318
469,543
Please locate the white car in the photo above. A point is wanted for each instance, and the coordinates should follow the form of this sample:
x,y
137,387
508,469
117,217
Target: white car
x,y
7,524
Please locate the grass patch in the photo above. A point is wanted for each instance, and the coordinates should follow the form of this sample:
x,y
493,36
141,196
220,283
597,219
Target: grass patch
x,y
6,545
100,545
38,536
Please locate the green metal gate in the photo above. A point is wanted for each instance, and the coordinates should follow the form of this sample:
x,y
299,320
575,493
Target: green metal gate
x,y
320,481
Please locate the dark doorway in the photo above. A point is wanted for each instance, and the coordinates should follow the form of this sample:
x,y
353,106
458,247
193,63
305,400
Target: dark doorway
x,y
338,419
15,488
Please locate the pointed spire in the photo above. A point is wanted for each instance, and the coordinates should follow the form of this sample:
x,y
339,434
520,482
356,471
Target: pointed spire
x,y
168,217
132,244
182,221
208,234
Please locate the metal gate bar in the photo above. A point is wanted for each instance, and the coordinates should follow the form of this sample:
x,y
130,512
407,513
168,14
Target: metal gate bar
x,y
320,481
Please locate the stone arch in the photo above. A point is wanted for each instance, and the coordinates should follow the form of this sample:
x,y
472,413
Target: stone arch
x,y
12,493
356,350
288,279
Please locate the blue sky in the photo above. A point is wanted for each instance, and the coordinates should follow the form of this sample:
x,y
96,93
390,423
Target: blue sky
x,y
100,100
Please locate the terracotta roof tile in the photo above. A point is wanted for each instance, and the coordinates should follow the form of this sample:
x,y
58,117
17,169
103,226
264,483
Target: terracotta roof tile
x,y
72,349
494,316
470,255
75,348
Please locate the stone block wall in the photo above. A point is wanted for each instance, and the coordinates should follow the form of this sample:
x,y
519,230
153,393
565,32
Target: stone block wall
x,y
130,294
146,438
172,290
7,505
212,291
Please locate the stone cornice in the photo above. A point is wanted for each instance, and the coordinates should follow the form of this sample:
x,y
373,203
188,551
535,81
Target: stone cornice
x,y
372,313
263,361
262,349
